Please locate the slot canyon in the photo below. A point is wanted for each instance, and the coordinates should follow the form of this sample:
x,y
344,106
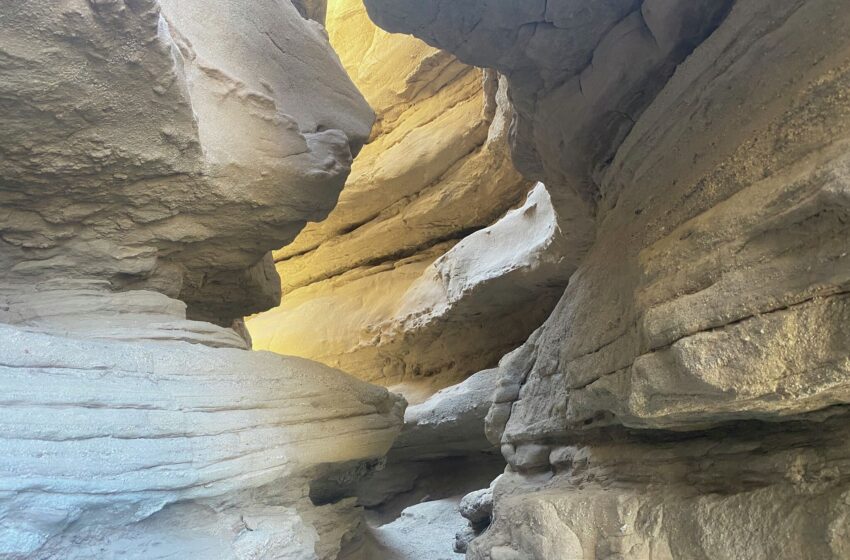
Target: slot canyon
x,y
425,279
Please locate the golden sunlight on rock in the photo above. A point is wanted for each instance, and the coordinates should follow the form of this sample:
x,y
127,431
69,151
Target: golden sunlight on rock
x,y
436,169
425,280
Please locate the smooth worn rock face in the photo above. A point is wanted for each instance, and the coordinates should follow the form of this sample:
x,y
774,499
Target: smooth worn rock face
x,y
394,286
450,423
155,151
169,145
156,436
415,534
713,298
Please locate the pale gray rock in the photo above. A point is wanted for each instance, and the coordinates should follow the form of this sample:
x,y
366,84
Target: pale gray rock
x,y
169,145
420,532
462,540
442,451
709,141
477,507
163,417
140,445
154,153
449,423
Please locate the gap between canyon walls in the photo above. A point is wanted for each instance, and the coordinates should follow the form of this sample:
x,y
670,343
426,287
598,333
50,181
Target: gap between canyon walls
x,y
582,292
439,257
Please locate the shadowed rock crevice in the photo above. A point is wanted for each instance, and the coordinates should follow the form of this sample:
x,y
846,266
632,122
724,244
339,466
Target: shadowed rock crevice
x,y
593,255
439,257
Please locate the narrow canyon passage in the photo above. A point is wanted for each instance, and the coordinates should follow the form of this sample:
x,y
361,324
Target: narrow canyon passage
x,y
425,280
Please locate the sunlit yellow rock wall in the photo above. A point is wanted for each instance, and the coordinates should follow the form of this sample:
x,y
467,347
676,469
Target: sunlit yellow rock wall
x,y
436,169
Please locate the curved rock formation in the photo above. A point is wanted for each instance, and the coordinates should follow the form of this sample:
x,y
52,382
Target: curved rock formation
x,y
156,150
141,148
382,288
162,436
688,394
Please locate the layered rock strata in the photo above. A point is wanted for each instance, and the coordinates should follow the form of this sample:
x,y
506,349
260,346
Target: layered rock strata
x,y
169,145
391,286
418,326
153,436
686,398
153,154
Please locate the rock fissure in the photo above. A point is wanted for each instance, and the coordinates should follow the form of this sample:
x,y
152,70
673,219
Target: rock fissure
x,y
416,279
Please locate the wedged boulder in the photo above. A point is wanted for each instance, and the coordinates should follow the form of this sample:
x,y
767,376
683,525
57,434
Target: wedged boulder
x,y
425,323
442,451
425,272
449,423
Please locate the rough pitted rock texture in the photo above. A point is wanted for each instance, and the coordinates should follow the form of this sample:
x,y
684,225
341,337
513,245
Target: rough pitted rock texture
x,y
154,151
477,508
169,145
686,398
382,288
759,491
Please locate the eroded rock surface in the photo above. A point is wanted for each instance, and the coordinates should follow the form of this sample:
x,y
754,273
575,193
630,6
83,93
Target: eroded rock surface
x,y
441,452
153,154
688,396
416,533
169,145
154,436
394,286
420,326
745,491
708,140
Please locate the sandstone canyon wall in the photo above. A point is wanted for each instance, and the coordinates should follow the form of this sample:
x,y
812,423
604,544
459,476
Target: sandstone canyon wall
x,y
687,398
600,246
402,285
153,153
